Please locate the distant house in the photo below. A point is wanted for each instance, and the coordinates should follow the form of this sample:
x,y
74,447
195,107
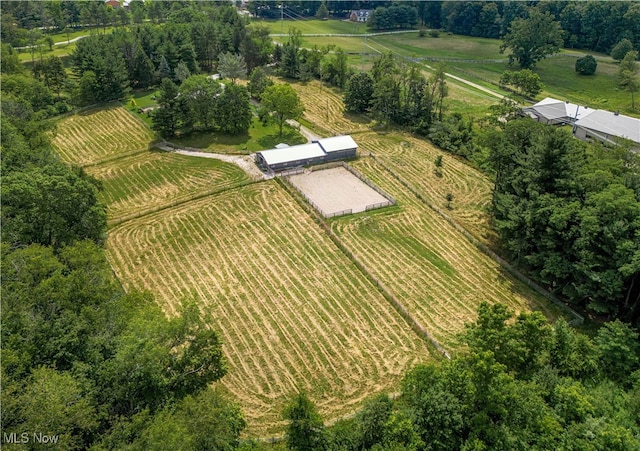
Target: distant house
x,y
112,3
587,123
317,152
359,15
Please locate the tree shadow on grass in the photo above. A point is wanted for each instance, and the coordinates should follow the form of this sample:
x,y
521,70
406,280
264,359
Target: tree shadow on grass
x,y
205,140
289,136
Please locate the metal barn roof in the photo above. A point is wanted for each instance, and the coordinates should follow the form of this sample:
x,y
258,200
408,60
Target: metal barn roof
x,y
612,124
337,143
552,108
293,153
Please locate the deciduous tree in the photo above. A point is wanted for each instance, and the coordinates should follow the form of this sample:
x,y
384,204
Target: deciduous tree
x,y
532,39
305,429
628,75
283,102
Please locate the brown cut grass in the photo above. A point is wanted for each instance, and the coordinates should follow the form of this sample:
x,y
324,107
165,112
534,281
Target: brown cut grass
x,y
293,311
427,264
100,134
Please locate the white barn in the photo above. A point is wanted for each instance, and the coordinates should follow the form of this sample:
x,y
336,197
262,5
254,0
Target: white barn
x,y
317,152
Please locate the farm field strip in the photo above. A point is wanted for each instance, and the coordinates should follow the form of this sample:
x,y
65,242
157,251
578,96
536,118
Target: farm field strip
x,y
324,106
149,180
293,311
412,160
89,137
429,266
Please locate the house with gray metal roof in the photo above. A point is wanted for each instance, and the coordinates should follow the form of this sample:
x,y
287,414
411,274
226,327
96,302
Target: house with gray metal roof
x,y
608,127
588,123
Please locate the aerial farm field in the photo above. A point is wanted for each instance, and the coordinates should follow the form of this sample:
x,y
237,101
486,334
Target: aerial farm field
x,y
438,275
96,135
296,304
149,180
293,311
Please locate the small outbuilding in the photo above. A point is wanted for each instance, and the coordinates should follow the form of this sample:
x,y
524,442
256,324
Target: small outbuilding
x,y
290,157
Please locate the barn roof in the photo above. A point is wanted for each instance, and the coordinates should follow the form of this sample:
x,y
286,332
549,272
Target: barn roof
x,y
612,124
551,108
337,143
293,153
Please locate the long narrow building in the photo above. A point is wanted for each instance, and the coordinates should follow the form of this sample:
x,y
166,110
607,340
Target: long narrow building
x,y
316,152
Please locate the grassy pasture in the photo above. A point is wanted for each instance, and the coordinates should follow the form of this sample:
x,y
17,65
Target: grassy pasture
x,y
314,26
439,276
444,46
100,134
412,160
293,311
257,138
150,180
324,110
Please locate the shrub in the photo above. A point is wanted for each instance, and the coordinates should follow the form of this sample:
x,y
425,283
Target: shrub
x,y
621,49
586,65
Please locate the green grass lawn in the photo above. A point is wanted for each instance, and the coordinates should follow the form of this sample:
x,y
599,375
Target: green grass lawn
x,y
445,46
142,99
314,26
61,51
258,138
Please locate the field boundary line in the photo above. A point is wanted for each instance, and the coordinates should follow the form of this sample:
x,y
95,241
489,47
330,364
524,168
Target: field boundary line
x,y
578,319
417,328
175,203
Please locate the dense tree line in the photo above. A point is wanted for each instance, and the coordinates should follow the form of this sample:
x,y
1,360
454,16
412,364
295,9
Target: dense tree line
x,y
522,384
569,213
395,16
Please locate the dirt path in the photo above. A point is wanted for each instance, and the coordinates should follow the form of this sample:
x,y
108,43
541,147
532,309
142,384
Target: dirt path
x,y
245,162
304,131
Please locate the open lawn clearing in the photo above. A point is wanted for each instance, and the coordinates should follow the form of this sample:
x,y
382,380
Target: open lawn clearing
x,y
313,26
100,134
258,138
150,180
445,46
412,160
293,311
437,274
336,190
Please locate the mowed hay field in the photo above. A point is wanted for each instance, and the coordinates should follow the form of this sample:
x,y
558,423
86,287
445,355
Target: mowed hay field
x,y
438,275
100,134
410,158
293,311
324,108
149,180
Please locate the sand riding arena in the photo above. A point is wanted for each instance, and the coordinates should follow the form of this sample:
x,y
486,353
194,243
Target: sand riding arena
x,y
338,190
